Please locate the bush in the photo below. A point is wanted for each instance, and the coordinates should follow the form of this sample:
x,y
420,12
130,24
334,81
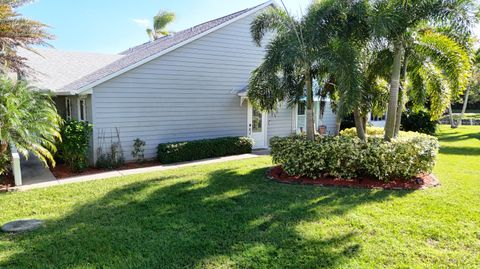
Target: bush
x,y
349,157
138,152
418,122
5,164
73,149
371,131
111,159
202,149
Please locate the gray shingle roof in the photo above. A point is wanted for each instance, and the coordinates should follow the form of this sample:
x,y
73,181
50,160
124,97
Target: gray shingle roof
x,y
146,50
54,69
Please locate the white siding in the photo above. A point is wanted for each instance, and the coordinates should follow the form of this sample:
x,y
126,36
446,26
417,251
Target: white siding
x,y
329,118
186,94
280,123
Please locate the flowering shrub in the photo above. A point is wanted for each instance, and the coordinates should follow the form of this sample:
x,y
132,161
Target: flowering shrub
x,y
349,157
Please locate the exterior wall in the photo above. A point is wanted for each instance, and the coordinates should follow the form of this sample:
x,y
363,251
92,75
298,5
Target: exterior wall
x,y
328,118
186,94
280,123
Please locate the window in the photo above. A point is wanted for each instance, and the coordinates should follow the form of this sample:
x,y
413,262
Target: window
x,y
82,110
257,121
68,108
301,109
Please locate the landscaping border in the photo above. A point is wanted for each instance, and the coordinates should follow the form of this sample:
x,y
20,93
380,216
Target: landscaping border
x,y
423,181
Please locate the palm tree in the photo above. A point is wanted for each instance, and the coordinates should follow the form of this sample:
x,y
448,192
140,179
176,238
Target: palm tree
x,y
394,19
28,120
160,22
439,70
316,46
473,83
17,32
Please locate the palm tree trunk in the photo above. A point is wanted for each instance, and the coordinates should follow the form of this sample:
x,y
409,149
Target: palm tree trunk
x,y
338,123
402,92
394,86
450,114
464,107
359,124
310,119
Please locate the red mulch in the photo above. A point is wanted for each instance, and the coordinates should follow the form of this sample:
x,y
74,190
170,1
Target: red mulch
x,y
6,182
62,171
422,181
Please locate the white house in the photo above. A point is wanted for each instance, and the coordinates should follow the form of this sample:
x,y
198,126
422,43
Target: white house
x,y
185,86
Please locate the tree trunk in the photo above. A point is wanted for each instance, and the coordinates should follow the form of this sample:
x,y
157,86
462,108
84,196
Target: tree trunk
x,y
402,94
464,107
450,114
365,122
338,123
310,119
359,124
394,87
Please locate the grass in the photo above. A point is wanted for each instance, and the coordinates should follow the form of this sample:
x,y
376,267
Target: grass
x,y
228,215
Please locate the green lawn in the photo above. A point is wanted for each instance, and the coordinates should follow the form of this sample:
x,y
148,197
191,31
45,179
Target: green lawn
x,y
229,215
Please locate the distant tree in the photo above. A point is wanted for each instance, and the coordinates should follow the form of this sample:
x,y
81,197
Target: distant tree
x,y
160,22
28,120
18,32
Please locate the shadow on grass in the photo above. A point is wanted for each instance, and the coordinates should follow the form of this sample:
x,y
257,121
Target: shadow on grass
x,y
467,151
230,219
458,136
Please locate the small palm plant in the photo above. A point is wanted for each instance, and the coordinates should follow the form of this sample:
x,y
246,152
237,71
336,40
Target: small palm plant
x,y
160,22
28,120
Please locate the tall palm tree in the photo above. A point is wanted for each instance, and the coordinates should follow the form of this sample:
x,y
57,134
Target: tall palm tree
x,y
28,120
315,46
160,22
394,19
17,31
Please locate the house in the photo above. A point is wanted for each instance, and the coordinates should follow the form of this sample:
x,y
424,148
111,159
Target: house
x,y
185,86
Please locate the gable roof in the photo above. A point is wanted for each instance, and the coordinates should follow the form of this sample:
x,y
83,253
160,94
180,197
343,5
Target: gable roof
x,y
54,69
146,52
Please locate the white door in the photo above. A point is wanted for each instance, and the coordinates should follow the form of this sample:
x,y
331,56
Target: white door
x,y
257,127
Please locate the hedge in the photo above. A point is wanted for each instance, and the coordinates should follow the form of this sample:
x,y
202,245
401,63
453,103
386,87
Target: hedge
x,y
349,157
202,149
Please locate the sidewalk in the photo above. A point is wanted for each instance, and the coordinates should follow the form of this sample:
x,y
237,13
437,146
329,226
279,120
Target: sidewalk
x,y
119,173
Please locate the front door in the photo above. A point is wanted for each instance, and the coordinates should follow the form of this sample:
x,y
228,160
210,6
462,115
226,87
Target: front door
x,y
257,127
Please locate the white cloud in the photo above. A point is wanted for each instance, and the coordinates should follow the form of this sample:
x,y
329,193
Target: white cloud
x,y
145,23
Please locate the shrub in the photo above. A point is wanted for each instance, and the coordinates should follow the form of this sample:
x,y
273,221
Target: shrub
x,y
202,149
111,159
349,157
371,131
5,164
138,150
418,122
73,149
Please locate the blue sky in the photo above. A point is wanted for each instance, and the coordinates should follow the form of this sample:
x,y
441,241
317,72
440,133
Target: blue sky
x,y
111,26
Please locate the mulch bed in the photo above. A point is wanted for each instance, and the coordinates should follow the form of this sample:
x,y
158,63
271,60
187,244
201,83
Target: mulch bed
x,y
422,181
63,171
6,182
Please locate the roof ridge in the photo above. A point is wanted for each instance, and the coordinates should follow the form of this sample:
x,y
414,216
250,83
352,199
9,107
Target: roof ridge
x,y
148,43
148,51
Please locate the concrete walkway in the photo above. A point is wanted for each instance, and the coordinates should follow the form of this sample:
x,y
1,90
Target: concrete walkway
x,y
34,171
118,173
